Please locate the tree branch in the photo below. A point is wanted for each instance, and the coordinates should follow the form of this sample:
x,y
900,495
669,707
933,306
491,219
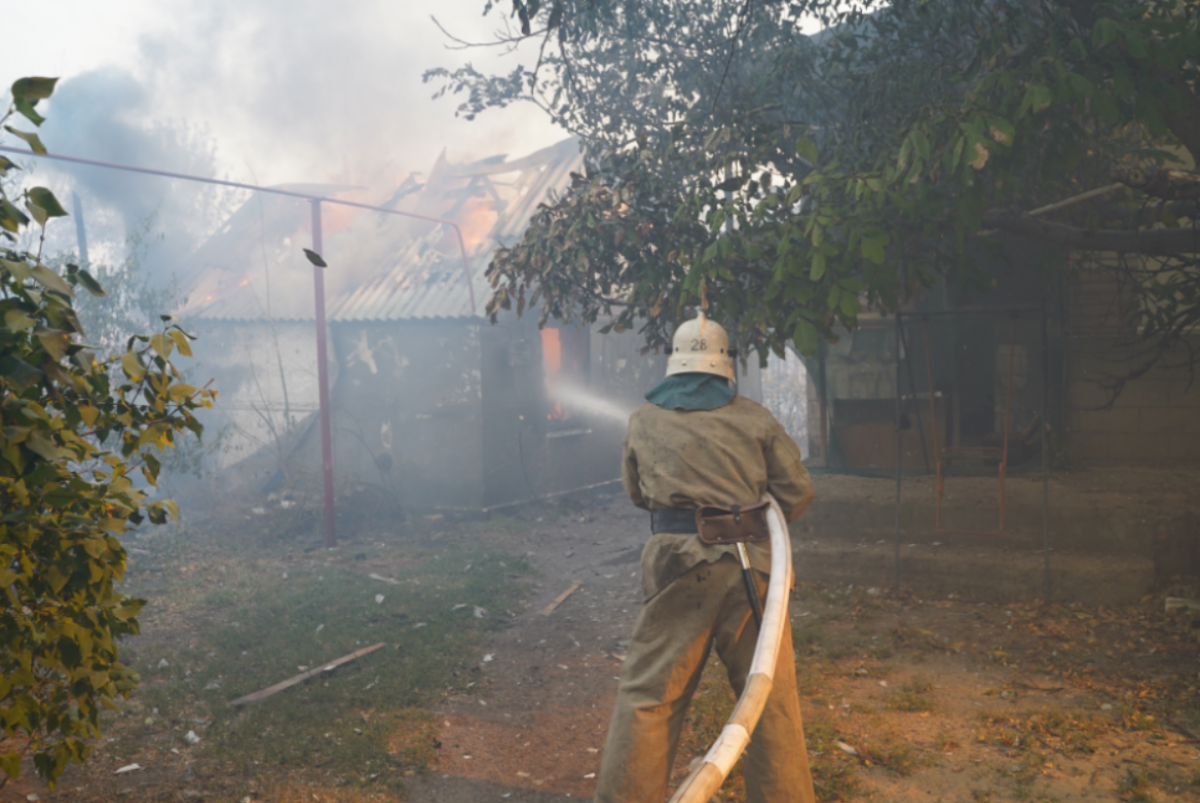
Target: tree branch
x,y
1151,242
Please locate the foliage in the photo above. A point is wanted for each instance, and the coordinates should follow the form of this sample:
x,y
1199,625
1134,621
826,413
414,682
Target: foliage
x,y
789,182
131,303
75,434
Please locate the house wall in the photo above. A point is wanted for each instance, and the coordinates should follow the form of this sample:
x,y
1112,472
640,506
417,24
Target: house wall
x,y
407,411
266,379
530,450
1156,418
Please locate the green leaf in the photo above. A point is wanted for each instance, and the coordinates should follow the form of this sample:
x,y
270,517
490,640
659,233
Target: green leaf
x,y
33,88
10,763
1038,98
54,341
315,258
35,143
18,373
921,144
818,267
1105,31
92,286
11,218
51,280
26,108
46,200
805,338
807,149
873,247
848,304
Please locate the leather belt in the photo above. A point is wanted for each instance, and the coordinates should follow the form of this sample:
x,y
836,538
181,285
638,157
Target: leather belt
x,y
673,520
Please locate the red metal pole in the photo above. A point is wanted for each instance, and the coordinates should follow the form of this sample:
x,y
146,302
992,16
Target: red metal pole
x,y
323,383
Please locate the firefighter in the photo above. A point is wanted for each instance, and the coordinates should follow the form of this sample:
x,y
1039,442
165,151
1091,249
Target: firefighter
x,y
695,443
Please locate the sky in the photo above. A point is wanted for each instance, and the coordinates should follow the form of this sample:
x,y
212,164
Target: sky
x,y
256,91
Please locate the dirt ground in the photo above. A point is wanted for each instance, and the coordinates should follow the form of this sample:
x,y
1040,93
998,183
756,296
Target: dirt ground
x,y
903,697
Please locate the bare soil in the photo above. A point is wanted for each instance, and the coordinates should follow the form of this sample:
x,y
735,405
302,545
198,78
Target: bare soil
x,y
904,697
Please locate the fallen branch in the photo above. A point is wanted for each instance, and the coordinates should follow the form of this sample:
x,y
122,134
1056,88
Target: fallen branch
x,y
549,609
303,676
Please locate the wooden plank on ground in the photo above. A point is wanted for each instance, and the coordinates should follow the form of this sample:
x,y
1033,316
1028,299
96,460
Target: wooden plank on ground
x,y
303,676
549,609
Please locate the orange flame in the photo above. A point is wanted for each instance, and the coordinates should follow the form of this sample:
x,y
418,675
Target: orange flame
x,y
476,222
552,359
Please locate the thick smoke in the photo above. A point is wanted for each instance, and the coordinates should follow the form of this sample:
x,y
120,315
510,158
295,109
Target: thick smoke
x,y
273,91
108,115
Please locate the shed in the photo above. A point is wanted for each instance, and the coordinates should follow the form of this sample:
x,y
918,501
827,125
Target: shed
x,y
434,407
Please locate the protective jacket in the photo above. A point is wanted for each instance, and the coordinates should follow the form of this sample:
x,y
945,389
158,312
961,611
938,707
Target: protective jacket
x,y
729,455
702,445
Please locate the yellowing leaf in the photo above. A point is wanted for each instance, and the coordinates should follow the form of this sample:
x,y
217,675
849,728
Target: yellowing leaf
x,y
88,413
111,525
43,446
19,269
17,320
162,345
981,156
51,280
181,342
133,367
181,391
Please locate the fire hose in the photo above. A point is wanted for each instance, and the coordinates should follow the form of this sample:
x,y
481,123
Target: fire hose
x,y
707,778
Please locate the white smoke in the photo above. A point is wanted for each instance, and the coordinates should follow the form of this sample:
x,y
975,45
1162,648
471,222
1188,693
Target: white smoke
x,y
264,92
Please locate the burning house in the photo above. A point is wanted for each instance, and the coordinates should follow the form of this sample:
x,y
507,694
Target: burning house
x,y
432,405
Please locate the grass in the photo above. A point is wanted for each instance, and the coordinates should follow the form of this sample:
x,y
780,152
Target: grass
x,y
1135,787
912,696
1071,732
834,773
259,624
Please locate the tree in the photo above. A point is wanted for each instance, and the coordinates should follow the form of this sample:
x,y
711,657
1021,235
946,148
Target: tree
x,y
789,181
80,440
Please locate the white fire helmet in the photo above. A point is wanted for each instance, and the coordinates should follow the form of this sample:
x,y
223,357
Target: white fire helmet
x,y
700,346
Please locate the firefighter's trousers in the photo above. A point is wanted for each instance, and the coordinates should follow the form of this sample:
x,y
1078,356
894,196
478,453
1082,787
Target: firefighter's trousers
x,y
676,629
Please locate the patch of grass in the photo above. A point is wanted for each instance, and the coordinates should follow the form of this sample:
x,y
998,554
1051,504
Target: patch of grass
x,y
835,774
813,636
1070,732
914,695
834,781
944,741
981,795
1135,787
261,626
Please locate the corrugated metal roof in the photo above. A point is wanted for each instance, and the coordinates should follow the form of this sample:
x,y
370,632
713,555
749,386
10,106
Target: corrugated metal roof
x,y
382,267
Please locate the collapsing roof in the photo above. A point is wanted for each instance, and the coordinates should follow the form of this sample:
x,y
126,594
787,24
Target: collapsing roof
x,y
381,266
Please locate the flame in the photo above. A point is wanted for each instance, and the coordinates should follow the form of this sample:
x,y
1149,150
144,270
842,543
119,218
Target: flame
x,y
552,359
335,218
476,222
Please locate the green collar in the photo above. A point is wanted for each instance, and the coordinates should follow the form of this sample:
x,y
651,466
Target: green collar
x,y
692,391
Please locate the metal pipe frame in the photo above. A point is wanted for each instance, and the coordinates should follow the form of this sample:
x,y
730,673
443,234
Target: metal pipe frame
x,y
318,290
